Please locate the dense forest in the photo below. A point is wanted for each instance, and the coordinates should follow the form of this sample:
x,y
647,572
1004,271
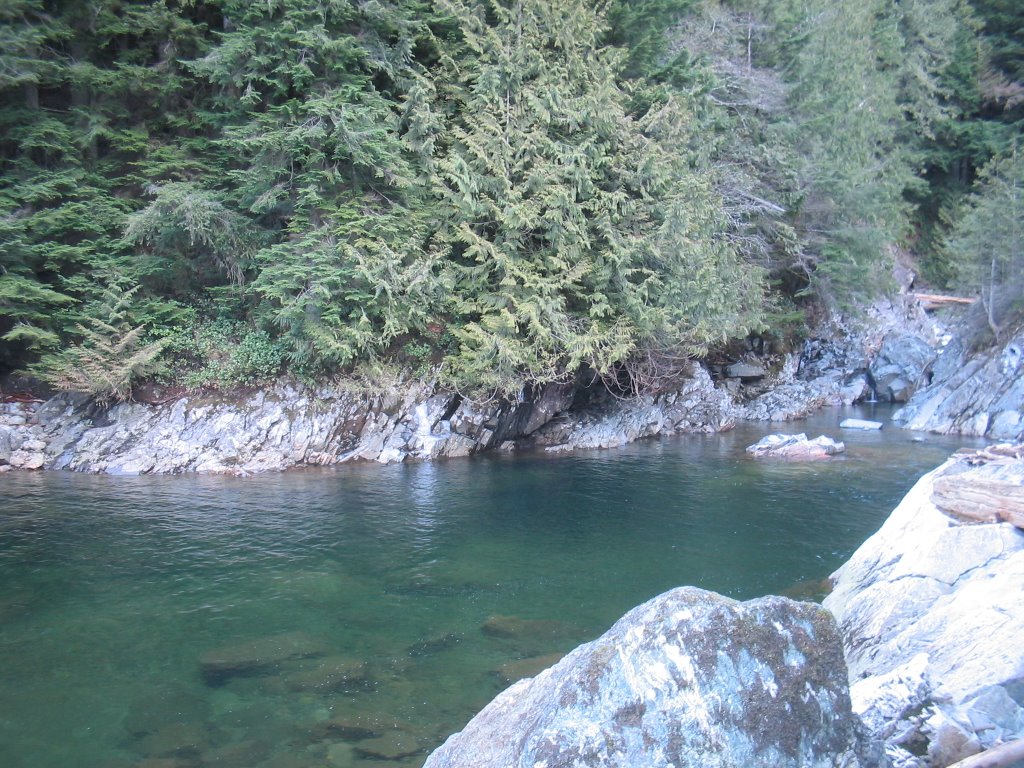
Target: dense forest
x,y
214,193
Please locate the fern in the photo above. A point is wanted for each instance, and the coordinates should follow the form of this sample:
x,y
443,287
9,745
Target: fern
x,y
110,356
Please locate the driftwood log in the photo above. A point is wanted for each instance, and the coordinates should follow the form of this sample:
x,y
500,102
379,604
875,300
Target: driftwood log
x,y
935,300
1004,756
980,498
985,486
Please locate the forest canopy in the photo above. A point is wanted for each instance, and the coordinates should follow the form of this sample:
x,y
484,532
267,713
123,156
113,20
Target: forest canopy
x,y
505,191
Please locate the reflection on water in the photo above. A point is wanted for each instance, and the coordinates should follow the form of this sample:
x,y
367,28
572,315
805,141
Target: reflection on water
x,y
356,616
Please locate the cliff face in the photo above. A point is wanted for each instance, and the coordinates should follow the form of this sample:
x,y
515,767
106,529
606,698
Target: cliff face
x,y
289,425
980,394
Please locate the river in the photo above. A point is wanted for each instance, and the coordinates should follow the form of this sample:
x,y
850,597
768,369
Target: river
x,y
114,591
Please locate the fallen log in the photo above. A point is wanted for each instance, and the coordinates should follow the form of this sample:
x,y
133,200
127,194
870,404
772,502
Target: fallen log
x,y
936,300
1003,756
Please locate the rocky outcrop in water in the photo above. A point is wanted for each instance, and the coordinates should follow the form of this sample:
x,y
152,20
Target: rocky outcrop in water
x,y
979,394
287,424
798,447
693,405
932,618
900,367
690,678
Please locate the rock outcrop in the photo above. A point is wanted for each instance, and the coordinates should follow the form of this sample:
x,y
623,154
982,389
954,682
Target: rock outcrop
x,y
693,405
900,367
980,394
688,679
932,620
288,425
798,447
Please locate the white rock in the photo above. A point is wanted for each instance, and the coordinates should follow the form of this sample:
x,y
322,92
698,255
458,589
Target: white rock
x,y
796,447
27,460
926,585
689,678
860,424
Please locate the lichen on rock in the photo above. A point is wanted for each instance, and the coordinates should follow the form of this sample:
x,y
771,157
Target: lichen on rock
x,y
689,678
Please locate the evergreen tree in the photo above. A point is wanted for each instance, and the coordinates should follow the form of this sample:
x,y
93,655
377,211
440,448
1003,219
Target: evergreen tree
x,y
987,241
111,354
87,116
578,233
308,96
844,119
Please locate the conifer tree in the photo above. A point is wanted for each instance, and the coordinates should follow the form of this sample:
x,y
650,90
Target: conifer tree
x,y
577,232
88,93
987,241
111,354
843,120
311,142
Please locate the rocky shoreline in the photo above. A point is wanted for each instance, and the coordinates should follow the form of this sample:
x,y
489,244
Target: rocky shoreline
x,y
900,355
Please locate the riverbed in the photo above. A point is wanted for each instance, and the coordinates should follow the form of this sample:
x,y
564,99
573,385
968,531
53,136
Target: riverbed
x,y
404,592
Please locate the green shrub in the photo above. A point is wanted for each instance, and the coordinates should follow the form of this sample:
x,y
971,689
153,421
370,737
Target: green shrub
x,y
221,354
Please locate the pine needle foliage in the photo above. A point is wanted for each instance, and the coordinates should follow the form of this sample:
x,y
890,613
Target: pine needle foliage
x,y
307,96
577,234
987,241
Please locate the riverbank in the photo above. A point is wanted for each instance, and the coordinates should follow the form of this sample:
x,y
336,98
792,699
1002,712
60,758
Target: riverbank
x,y
897,353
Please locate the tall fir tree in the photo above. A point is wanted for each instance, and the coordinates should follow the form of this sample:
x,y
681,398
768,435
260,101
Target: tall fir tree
x,y
578,234
308,98
90,100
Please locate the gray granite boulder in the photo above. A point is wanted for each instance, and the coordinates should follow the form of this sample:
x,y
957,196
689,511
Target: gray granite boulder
x,y
798,447
980,394
900,366
932,619
689,678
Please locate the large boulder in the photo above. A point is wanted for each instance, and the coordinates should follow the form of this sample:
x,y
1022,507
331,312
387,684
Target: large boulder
x,y
798,447
933,622
901,366
689,678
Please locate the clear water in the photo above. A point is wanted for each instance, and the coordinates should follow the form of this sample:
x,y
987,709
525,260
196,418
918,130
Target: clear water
x,y
112,589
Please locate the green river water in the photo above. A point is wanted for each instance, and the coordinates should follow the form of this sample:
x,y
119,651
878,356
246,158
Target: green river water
x,y
114,591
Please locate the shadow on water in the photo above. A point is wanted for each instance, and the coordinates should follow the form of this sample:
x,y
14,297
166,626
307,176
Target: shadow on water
x,y
356,616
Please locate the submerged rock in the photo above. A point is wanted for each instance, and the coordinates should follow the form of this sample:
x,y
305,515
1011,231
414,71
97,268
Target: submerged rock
x,y
933,622
517,628
395,744
326,674
432,645
511,671
257,656
690,678
795,447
